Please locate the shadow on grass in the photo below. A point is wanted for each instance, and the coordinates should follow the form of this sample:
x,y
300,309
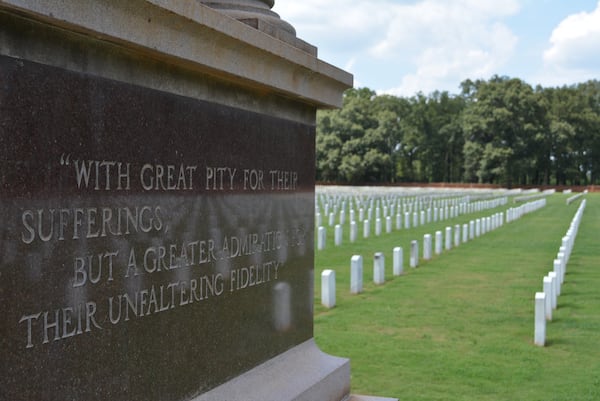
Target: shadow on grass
x,y
568,306
557,341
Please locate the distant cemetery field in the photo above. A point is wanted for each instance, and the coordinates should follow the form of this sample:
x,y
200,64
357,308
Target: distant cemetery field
x,y
460,326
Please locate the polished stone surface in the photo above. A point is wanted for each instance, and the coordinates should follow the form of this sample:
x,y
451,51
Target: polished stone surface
x,y
153,246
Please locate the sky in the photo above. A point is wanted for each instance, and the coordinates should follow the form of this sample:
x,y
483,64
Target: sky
x,y
402,47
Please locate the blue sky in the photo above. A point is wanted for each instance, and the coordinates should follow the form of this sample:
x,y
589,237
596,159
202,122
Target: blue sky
x,y
403,47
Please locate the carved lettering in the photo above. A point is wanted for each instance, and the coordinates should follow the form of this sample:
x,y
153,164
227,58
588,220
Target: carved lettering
x,y
61,224
220,178
59,324
283,180
90,268
167,177
194,263
254,180
100,173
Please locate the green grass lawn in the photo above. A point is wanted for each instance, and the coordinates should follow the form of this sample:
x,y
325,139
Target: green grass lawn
x,y
460,327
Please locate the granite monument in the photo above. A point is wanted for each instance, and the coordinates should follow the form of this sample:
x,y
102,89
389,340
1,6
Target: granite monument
x,y
157,199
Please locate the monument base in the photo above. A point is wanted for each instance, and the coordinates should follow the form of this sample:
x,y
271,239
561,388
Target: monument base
x,y
303,373
355,397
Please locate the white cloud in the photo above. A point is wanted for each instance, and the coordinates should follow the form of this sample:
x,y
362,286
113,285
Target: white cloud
x,y
405,46
573,53
445,42
347,24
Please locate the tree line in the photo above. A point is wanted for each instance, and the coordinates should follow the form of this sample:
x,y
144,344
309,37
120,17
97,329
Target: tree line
x,y
497,131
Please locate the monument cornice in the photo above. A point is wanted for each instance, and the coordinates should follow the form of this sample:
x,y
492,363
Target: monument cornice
x,y
188,34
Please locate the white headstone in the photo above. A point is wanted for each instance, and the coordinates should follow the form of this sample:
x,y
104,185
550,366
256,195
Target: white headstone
x,y
414,254
438,242
448,238
552,275
465,233
356,274
561,256
388,224
378,226
540,319
398,257
427,246
328,288
366,229
353,231
548,291
378,268
338,235
557,269
321,235
457,235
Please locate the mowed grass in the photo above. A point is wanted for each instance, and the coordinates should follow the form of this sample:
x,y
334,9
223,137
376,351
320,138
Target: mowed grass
x,y
460,326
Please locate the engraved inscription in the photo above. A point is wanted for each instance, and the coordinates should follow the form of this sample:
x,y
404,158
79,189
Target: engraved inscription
x,y
102,175
49,225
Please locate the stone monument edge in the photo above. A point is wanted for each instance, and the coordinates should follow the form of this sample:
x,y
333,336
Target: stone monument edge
x,y
177,30
302,373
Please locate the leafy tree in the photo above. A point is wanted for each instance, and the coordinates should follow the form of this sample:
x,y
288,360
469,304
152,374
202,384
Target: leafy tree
x,y
496,131
356,143
503,116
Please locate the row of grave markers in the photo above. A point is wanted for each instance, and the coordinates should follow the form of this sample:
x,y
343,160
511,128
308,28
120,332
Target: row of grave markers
x,y
573,198
472,230
547,301
402,219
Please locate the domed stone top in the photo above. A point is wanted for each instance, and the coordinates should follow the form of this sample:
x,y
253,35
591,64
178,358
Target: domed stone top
x,y
251,9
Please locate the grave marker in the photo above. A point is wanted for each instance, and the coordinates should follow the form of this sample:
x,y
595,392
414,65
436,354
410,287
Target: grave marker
x,y
328,288
338,235
414,254
321,238
438,242
378,268
356,274
398,261
427,247
353,231
540,319
548,290
457,235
